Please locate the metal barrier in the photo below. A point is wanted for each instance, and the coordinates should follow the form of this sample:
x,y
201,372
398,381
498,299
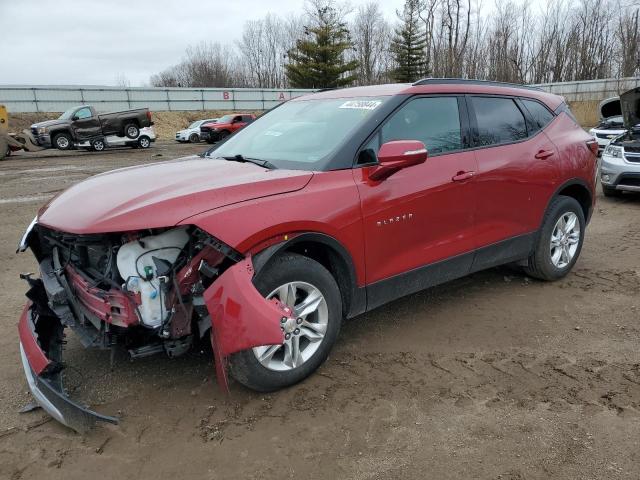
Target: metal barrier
x,y
60,98
46,98
591,90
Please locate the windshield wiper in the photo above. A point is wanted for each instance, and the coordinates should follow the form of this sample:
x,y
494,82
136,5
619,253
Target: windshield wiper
x,y
256,161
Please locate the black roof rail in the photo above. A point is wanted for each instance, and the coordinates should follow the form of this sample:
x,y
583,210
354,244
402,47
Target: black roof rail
x,y
471,81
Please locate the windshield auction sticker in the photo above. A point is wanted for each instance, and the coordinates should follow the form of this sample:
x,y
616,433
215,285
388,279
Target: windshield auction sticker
x,y
361,104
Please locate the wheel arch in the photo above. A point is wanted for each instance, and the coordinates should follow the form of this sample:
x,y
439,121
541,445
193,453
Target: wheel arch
x,y
579,190
58,131
331,254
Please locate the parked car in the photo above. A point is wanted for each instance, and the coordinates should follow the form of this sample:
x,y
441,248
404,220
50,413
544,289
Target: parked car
x,y
322,209
224,126
144,140
620,166
192,132
83,123
611,123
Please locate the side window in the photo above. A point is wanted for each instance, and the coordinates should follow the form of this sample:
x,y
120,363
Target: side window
x,y
499,120
540,115
83,113
435,121
369,153
237,118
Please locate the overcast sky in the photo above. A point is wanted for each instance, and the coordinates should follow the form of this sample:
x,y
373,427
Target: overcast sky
x,y
96,41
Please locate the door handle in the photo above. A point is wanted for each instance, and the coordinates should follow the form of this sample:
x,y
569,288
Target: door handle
x,y
461,176
542,154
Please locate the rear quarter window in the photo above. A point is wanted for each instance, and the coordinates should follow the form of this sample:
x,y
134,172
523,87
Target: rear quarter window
x,y
540,116
499,120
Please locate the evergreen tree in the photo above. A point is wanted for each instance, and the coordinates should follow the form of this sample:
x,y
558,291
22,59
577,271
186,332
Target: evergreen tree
x,y
408,45
319,60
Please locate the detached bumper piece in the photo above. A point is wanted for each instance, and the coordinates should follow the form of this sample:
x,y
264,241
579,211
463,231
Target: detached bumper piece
x,y
41,335
241,318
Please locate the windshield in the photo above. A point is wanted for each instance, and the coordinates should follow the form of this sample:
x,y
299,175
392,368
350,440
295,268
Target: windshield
x,y
225,119
195,124
67,115
301,134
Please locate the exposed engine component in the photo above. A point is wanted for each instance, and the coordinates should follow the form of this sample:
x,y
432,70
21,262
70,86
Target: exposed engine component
x,y
145,265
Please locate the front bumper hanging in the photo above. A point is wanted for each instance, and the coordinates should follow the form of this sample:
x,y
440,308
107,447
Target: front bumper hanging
x,y
42,367
241,318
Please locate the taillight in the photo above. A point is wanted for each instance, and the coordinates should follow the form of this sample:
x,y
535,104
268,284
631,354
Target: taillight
x,y
148,115
593,146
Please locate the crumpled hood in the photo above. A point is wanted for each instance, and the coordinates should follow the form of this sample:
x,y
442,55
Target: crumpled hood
x,y
48,123
162,194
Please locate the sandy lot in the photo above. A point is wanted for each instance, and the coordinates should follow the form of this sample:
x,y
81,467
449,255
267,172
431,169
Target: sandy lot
x,y
494,376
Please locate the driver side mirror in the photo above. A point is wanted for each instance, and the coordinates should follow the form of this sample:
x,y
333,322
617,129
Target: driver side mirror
x,y
396,155
75,118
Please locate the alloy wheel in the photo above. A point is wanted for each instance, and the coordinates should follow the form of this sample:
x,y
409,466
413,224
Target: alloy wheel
x,y
304,332
565,239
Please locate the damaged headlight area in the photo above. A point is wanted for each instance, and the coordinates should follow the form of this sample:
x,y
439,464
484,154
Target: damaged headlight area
x,y
149,292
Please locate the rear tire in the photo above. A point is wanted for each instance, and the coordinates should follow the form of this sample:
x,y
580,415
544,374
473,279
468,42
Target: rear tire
x,y
611,192
556,250
131,131
63,141
144,142
283,271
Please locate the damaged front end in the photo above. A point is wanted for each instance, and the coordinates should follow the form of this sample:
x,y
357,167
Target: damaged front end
x,y
150,292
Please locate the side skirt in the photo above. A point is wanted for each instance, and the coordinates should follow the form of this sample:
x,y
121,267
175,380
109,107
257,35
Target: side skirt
x,y
398,286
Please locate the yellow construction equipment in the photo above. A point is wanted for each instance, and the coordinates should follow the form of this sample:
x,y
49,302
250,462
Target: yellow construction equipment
x,y
10,142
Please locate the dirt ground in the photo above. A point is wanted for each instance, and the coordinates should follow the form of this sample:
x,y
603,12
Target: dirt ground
x,y
493,376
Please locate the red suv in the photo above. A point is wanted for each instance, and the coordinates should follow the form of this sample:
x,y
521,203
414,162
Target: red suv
x,y
326,207
224,126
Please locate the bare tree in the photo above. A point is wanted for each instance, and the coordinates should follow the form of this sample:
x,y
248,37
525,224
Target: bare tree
x,y
371,36
566,40
204,65
628,38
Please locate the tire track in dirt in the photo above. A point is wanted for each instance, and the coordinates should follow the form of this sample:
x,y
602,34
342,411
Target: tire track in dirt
x,y
492,380
607,280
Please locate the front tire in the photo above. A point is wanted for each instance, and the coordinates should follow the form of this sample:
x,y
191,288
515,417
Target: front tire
x,y
194,138
63,141
308,287
559,241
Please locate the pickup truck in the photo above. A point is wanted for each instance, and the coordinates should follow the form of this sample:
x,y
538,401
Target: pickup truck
x,y
83,123
225,126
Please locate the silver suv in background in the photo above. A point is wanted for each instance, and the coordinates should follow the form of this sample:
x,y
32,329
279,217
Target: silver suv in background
x,y
620,165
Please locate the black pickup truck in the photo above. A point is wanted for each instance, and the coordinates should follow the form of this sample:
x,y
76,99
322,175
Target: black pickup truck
x,y
83,123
